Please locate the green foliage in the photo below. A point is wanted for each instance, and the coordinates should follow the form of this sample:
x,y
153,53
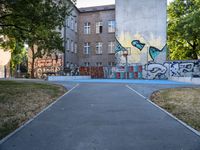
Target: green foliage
x,y
18,52
35,22
184,29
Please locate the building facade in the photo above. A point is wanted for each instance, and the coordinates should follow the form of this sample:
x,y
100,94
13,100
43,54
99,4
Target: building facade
x,y
90,36
98,36
71,36
5,57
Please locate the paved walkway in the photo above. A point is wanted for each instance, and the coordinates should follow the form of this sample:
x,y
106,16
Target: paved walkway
x,y
97,116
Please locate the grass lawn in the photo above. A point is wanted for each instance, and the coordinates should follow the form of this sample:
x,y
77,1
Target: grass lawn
x,y
184,103
20,101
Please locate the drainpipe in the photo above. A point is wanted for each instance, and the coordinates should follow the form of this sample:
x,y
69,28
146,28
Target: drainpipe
x,y
5,72
65,44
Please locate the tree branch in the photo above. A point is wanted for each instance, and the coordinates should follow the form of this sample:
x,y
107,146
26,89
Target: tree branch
x,y
190,43
12,25
4,16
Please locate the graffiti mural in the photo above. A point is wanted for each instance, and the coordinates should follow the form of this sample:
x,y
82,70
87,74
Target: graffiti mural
x,y
119,47
155,52
156,66
184,69
155,71
48,65
172,69
138,44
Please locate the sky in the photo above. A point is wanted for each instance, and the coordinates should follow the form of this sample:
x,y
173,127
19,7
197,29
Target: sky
x,y
88,3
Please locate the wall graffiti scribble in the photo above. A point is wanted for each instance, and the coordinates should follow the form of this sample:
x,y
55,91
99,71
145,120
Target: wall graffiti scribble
x,y
138,44
155,71
172,69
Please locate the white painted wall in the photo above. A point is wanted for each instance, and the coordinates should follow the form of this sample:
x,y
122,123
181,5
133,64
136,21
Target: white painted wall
x,y
144,20
5,57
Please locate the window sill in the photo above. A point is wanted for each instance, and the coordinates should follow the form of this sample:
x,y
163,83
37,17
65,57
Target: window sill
x,y
111,32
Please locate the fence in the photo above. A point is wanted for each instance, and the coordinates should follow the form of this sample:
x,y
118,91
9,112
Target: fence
x,y
121,72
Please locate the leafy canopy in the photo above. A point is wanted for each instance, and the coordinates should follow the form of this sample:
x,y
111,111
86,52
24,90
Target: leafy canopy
x,y
184,29
37,23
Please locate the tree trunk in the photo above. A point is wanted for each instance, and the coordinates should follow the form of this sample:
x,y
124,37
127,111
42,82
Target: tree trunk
x,y
194,52
194,56
33,63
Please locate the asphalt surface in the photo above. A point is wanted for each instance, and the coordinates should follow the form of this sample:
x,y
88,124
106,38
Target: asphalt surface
x,y
104,116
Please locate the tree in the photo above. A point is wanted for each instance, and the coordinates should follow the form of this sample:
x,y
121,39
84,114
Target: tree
x,y
184,29
18,53
35,22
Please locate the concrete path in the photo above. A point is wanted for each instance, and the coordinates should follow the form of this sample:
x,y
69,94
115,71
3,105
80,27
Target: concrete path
x,y
104,116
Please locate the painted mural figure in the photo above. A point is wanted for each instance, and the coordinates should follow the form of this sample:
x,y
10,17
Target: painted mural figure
x,y
119,47
155,52
138,44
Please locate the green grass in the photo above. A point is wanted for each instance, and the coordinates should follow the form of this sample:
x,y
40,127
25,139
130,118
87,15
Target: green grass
x,y
184,103
20,101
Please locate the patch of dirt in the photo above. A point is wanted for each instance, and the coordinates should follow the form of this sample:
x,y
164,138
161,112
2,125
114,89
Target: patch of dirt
x,y
21,101
184,103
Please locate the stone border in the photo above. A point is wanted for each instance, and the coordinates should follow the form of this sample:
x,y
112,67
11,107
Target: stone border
x,y
65,78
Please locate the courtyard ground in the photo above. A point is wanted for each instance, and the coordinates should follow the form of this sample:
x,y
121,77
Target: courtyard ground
x,y
20,101
106,116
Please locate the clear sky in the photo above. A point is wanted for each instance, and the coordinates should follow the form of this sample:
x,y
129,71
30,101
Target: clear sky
x,y
88,3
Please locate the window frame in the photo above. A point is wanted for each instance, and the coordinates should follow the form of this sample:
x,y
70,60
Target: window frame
x,y
99,64
75,48
111,47
111,26
72,46
99,48
99,27
68,44
87,28
86,64
86,49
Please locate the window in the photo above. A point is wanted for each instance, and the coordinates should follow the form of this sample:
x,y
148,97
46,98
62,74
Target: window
x,y
111,26
111,64
68,21
99,27
99,46
111,47
72,23
75,48
86,48
99,64
76,27
87,64
87,28
72,46
68,44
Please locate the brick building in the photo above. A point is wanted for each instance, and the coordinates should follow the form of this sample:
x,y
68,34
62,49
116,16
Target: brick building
x,y
89,35
97,36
